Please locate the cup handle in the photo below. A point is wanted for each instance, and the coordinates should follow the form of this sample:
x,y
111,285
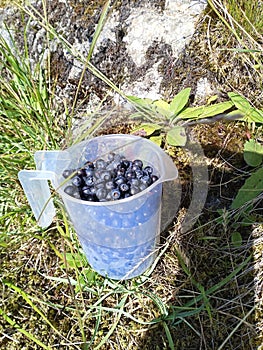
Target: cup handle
x,y
36,188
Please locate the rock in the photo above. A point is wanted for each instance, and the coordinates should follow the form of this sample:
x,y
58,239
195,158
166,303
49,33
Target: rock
x,y
136,50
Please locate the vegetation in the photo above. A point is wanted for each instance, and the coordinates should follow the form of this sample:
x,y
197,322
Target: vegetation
x,y
203,290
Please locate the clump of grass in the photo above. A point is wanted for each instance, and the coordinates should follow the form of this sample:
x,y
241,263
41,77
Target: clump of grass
x,y
248,15
244,21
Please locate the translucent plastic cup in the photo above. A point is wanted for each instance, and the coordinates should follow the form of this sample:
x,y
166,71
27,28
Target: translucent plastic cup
x,y
120,238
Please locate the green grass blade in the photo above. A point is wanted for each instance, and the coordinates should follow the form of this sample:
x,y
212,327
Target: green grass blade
x,y
222,346
26,297
168,335
113,327
23,331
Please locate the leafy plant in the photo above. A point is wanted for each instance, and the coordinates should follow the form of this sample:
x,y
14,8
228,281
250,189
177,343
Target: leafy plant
x,y
173,117
253,186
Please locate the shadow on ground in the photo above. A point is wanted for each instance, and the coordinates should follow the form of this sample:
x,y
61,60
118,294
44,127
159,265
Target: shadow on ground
x,y
225,316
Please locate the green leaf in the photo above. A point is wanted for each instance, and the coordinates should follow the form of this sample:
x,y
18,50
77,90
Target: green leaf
x,y
206,111
179,101
176,136
157,139
250,190
251,114
146,129
236,239
75,260
212,99
253,153
163,108
140,102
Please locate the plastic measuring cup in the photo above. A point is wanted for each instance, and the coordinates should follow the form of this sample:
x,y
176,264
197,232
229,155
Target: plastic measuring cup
x,y
119,238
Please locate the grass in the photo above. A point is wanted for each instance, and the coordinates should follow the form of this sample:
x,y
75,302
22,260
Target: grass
x,y
201,291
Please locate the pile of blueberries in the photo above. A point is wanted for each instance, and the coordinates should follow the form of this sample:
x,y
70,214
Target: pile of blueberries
x,y
108,180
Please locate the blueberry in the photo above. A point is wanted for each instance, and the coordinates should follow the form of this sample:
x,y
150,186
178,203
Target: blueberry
x,y
148,169
143,186
100,164
120,171
97,174
120,180
111,156
130,174
89,171
109,185
89,165
105,175
101,193
134,190
89,181
85,190
125,164
154,178
134,182
81,172
99,184
110,179
70,190
93,190
76,195
138,163
146,179
77,181
139,173
124,187
67,172
91,198
115,194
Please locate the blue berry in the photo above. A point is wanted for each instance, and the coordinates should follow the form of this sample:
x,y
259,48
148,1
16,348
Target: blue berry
x,y
146,179
125,164
142,186
91,198
154,178
70,190
85,190
89,171
77,181
67,172
89,165
139,173
115,194
130,174
149,169
101,193
138,163
134,182
124,187
109,185
111,179
76,195
89,181
100,164
111,156
134,190
120,180
105,175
